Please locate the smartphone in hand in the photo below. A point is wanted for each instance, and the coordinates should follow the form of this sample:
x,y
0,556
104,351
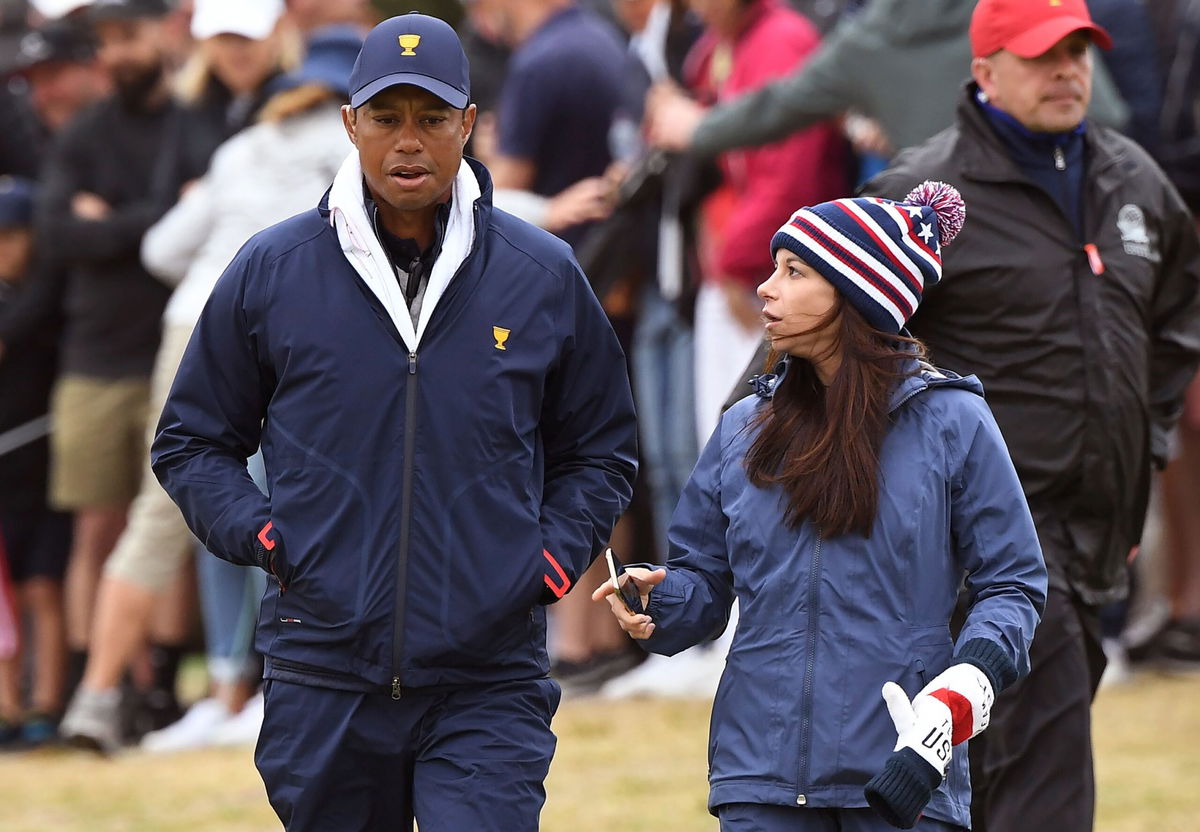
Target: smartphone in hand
x,y
626,590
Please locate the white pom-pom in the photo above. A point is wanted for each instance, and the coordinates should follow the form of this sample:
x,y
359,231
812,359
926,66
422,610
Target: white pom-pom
x,y
946,203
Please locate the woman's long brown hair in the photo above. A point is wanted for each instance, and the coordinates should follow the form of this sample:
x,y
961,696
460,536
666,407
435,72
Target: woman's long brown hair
x,y
821,444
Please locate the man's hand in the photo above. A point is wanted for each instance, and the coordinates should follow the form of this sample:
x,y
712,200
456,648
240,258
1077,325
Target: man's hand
x,y
268,552
671,117
866,136
638,626
587,200
88,206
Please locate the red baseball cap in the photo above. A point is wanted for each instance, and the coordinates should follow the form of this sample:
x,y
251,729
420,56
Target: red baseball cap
x,y
1028,28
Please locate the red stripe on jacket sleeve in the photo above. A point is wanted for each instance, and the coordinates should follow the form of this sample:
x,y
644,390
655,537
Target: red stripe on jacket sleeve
x,y
559,589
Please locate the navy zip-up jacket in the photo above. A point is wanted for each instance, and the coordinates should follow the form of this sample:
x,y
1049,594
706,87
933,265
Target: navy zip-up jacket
x,y
428,502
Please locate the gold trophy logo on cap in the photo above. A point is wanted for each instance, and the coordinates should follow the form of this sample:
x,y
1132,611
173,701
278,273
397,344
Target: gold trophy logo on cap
x,y
409,43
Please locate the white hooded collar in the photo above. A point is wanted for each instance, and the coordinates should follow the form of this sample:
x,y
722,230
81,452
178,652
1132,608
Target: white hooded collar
x,y
356,235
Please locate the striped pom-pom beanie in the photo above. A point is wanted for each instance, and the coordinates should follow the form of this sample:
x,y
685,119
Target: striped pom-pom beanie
x,y
881,255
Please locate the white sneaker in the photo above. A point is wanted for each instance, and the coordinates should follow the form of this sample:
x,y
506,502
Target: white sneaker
x,y
93,720
242,728
194,730
1117,671
692,674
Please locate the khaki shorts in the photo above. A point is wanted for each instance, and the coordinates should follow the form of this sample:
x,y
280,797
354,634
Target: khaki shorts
x,y
98,441
156,542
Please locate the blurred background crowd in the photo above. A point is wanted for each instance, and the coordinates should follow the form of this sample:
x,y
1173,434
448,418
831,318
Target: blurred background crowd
x,y
143,141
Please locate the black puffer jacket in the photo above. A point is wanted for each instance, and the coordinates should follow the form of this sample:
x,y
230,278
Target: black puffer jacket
x,y
1084,346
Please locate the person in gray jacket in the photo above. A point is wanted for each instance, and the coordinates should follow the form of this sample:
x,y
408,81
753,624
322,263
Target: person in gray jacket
x,y
1072,294
899,63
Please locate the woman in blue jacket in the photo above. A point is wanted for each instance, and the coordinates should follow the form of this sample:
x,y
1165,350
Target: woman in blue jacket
x,y
844,505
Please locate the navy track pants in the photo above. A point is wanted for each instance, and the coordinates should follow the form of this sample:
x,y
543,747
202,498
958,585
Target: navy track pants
x,y
471,758
759,817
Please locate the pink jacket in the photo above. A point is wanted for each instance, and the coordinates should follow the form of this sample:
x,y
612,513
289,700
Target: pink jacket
x,y
770,182
9,633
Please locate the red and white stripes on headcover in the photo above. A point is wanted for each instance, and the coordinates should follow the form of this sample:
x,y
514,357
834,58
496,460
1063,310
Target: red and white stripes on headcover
x,y
965,690
881,255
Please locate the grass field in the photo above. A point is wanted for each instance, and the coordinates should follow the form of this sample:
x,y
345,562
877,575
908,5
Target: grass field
x,y
1148,768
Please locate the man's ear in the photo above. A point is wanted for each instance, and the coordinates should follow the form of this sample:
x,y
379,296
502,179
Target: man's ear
x,y
982,71
350,122
468,125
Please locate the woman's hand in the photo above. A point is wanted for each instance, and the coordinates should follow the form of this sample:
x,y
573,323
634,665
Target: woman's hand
x,y
638,626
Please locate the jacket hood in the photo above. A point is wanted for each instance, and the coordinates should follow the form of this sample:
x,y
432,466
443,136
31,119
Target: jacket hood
x,y
925,376
919,377
906,22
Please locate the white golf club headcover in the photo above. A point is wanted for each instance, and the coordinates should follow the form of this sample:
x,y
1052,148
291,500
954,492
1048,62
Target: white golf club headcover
x,y
966,691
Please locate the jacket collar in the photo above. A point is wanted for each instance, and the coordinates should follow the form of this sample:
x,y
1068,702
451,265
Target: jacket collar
x,y
346,211
924,376
985,158
483,205
1023,142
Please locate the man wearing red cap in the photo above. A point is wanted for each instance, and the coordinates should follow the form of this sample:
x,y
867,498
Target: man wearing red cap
x,y
1072,295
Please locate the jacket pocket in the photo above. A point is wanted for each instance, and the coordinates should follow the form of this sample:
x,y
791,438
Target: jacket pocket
x,y
932,650
489,570
327,529
271,554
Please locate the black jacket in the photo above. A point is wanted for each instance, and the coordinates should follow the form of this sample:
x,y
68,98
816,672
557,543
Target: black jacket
x,y
113,306
194,133
27,371
1084,346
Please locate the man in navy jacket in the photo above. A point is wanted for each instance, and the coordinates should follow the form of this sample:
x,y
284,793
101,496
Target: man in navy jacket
x,y
449,436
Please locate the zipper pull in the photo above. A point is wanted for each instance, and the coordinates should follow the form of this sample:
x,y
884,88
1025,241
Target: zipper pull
x,y
1060,159
414,280
412,363
1094,260
395,687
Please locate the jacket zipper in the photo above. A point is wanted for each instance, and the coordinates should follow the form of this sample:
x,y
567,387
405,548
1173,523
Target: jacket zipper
x,y
1095,262
406,488
814,609
908,396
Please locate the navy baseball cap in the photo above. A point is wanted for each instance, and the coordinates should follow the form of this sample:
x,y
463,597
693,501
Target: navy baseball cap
x,y
412,49
329,56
